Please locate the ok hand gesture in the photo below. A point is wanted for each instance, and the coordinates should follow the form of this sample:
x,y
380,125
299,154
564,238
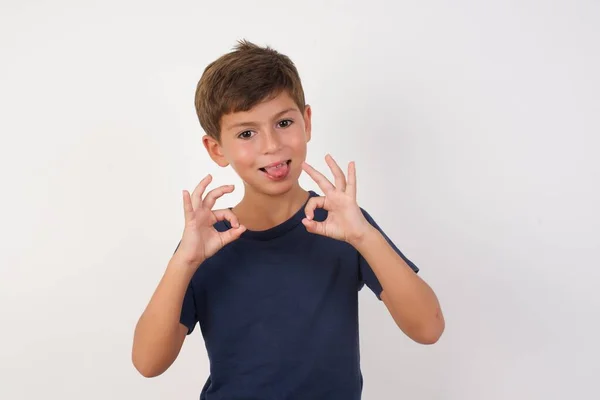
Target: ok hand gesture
x,y
345,220
200,239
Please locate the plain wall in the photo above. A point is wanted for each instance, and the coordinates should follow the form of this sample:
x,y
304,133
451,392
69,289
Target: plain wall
x,y
474,125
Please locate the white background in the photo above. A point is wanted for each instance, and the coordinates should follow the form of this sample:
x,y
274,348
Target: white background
x,y
475,127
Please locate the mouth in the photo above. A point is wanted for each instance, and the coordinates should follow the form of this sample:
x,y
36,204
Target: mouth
x,y
275,165
278,170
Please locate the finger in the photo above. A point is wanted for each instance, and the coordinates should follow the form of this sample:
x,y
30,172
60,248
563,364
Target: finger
x,y
188,209
314,226
312,204
231,234
340,179
227,214
236,229
318,177
351,188
199,191
213,195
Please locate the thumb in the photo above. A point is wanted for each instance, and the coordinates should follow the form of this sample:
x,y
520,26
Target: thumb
x,y
231,234
314,226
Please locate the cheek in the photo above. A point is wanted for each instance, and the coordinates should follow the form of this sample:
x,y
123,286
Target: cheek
x,y
297,141
242,156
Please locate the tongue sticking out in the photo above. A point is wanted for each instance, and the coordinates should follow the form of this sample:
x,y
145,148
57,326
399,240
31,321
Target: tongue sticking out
x,y
278,171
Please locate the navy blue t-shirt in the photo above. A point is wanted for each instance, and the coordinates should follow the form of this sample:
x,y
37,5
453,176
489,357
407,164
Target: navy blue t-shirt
x,y
278,310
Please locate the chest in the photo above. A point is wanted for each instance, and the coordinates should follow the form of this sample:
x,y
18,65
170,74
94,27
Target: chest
x,y
298,268
273,281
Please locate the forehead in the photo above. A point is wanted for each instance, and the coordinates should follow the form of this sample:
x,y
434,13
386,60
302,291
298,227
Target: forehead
x,y
262,112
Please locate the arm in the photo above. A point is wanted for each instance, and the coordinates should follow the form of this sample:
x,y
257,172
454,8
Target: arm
x,y
411,302
159,335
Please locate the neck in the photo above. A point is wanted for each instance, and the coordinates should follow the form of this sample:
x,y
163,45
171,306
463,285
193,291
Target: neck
x,y
259,211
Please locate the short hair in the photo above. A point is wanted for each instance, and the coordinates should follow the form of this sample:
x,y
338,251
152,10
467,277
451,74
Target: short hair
x,y
241,79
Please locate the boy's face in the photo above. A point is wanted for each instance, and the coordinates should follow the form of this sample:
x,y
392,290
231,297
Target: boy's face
x,y
265,145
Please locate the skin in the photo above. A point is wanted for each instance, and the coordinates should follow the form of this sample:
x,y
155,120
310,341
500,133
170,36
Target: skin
x,y
270,132
273,131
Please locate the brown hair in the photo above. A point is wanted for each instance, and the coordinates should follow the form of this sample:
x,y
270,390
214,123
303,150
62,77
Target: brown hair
x,y
241,79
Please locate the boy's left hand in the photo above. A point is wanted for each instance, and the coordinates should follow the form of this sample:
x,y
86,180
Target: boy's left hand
x,y
345,220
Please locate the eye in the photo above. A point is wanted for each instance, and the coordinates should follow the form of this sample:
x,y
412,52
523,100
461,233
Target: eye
x,y
246,135
285,123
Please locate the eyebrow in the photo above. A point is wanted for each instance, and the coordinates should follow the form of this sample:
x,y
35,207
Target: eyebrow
x,y
250,123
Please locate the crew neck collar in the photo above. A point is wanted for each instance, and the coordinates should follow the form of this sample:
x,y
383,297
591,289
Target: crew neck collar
x,y
280,229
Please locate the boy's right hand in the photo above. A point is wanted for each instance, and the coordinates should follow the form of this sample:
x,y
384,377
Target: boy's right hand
x,y
200,239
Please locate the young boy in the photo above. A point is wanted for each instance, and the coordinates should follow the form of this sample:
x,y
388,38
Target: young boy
x,y
273,282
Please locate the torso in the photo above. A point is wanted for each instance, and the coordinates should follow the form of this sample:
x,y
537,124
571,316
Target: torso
x,y
278,311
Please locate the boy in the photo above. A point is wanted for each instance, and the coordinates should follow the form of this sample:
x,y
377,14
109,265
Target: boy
x,y
273,282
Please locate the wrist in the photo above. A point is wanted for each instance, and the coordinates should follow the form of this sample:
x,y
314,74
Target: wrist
x,y
181,261
364,237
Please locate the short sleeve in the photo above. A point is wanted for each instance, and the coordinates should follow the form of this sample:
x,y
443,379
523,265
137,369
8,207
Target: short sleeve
x,y
367,276
189,316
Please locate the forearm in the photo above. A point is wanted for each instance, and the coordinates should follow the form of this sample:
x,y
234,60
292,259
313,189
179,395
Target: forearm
x,y
411,302
158,334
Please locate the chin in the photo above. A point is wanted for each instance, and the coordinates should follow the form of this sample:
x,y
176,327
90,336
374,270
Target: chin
x,y
276,188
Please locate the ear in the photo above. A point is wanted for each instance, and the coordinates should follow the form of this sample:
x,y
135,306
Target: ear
x,y
308,122
213,147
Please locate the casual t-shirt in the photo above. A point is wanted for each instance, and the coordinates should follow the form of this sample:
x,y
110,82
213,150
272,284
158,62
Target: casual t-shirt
x,y
278,311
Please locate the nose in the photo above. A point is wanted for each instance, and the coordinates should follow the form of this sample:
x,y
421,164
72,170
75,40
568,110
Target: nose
x,y
272,142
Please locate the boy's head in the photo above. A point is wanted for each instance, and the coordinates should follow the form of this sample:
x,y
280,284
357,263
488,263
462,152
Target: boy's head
x,y
250,103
